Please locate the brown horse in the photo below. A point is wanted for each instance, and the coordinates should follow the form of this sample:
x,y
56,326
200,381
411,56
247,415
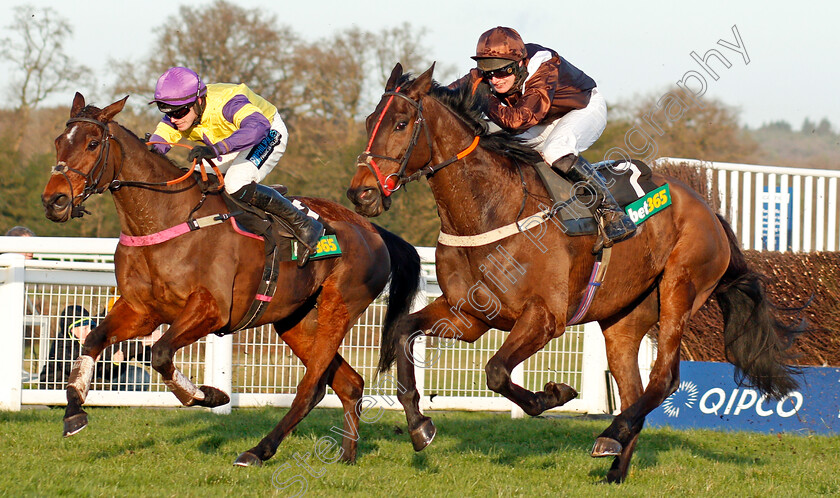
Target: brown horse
x,y
531,284
204,281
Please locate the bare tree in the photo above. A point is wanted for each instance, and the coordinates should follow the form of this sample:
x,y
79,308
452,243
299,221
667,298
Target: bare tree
x,y
40,65
223,43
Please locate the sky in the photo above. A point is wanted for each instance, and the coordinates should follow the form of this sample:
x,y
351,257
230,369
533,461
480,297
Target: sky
x,y
773,60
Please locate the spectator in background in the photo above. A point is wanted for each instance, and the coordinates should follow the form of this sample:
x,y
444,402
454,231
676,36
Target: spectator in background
x,y
113,369
20,231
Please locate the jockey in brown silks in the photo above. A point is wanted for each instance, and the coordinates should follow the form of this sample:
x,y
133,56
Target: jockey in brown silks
x,y
554,106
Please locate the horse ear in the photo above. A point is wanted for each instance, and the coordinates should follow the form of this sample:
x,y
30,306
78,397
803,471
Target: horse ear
x,y
424,81
395,75
78,105
112,110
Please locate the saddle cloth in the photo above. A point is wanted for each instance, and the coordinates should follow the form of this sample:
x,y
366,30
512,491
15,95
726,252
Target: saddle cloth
x,y
626,180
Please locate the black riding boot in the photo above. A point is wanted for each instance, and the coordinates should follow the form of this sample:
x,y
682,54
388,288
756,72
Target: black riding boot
x,y
307,230
615,223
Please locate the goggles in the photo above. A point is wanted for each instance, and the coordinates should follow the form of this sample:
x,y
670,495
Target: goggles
x,y
502,72
176,113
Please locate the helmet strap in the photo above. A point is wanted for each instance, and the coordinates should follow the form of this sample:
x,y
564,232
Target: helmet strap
x,y
521,76
199,105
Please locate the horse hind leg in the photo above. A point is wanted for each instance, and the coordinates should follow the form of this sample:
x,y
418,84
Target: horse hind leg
x,y
683,289
315,340
623,338
534,328
349,387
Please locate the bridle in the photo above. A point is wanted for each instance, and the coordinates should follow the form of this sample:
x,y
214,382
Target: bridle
x,y
94,176
391,183
98,170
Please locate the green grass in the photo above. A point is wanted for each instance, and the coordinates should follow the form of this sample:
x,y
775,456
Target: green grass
x,y
188,452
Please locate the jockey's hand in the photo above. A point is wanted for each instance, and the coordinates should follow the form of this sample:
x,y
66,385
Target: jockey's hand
x,y
200,152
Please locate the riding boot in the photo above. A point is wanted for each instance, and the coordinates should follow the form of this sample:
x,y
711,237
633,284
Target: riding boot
x,y
307,230
616,225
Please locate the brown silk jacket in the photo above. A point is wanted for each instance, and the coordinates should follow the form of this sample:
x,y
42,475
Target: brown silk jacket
x,y
555,88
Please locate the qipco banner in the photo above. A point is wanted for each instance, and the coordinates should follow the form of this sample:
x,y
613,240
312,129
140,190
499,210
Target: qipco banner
x,y
709,398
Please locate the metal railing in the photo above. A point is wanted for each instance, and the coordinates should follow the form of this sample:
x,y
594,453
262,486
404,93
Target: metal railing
x,y
774,208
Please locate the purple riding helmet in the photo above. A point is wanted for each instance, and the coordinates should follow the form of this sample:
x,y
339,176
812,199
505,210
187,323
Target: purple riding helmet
x,y
178,87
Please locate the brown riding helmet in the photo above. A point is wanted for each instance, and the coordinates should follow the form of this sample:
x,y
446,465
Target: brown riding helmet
x,y
498,47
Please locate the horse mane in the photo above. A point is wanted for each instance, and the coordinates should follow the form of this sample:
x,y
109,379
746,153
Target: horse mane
x,y
468,106
92,112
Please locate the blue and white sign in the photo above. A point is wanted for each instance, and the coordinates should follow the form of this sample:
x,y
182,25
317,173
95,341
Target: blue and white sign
x,y
709,398
776,215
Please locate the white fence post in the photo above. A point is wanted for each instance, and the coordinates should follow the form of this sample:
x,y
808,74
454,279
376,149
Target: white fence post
x,y
594,381
517,376
12,295
218,367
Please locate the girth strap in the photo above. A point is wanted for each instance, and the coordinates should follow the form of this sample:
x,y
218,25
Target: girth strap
x,y
265,292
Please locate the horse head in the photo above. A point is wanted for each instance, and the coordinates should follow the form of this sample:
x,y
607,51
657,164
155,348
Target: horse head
x,y
82,160
395,128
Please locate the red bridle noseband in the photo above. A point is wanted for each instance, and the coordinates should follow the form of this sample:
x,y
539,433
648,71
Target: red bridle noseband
x,y
393,182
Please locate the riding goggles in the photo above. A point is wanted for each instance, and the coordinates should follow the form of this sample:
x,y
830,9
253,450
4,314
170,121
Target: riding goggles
x,y
174,112
502,72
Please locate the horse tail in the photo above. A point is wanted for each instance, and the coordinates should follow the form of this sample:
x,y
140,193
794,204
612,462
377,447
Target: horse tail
x,y
755,341
403,286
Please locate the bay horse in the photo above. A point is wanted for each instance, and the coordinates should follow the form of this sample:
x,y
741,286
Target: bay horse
x,y
203,281
532,285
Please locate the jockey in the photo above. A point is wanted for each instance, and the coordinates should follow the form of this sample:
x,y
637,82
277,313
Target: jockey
x,y
551,104
239,129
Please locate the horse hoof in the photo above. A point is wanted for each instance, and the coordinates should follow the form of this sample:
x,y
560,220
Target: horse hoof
x,y
560,393
614,477
212,397
348,458
248,459
605,447
75,423
423,435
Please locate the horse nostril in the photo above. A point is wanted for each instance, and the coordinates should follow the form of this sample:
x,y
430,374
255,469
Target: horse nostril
x,y
60,201
361,195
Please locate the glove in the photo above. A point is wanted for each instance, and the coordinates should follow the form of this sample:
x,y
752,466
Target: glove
x,y
200,152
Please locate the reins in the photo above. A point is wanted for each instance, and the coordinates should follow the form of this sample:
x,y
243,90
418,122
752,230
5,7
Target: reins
x,y
94,177
391,183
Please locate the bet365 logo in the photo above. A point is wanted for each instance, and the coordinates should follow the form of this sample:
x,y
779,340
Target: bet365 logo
x,y
327,246
652,202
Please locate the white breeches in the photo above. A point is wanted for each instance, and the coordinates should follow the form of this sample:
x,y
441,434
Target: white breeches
x,y
573,133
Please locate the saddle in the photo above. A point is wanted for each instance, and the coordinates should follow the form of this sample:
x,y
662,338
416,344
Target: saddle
x,y
628,181
279,247
272,229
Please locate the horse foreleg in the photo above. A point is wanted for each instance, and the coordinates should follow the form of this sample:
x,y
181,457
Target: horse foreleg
x,y
534,328
198,318
121,323
420,427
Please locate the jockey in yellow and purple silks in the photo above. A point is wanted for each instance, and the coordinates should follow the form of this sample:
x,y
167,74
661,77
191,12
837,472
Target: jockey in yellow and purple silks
x,y
242,132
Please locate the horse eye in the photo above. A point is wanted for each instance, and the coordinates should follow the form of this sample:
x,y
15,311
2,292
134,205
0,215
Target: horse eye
x,y
93,144
401,125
